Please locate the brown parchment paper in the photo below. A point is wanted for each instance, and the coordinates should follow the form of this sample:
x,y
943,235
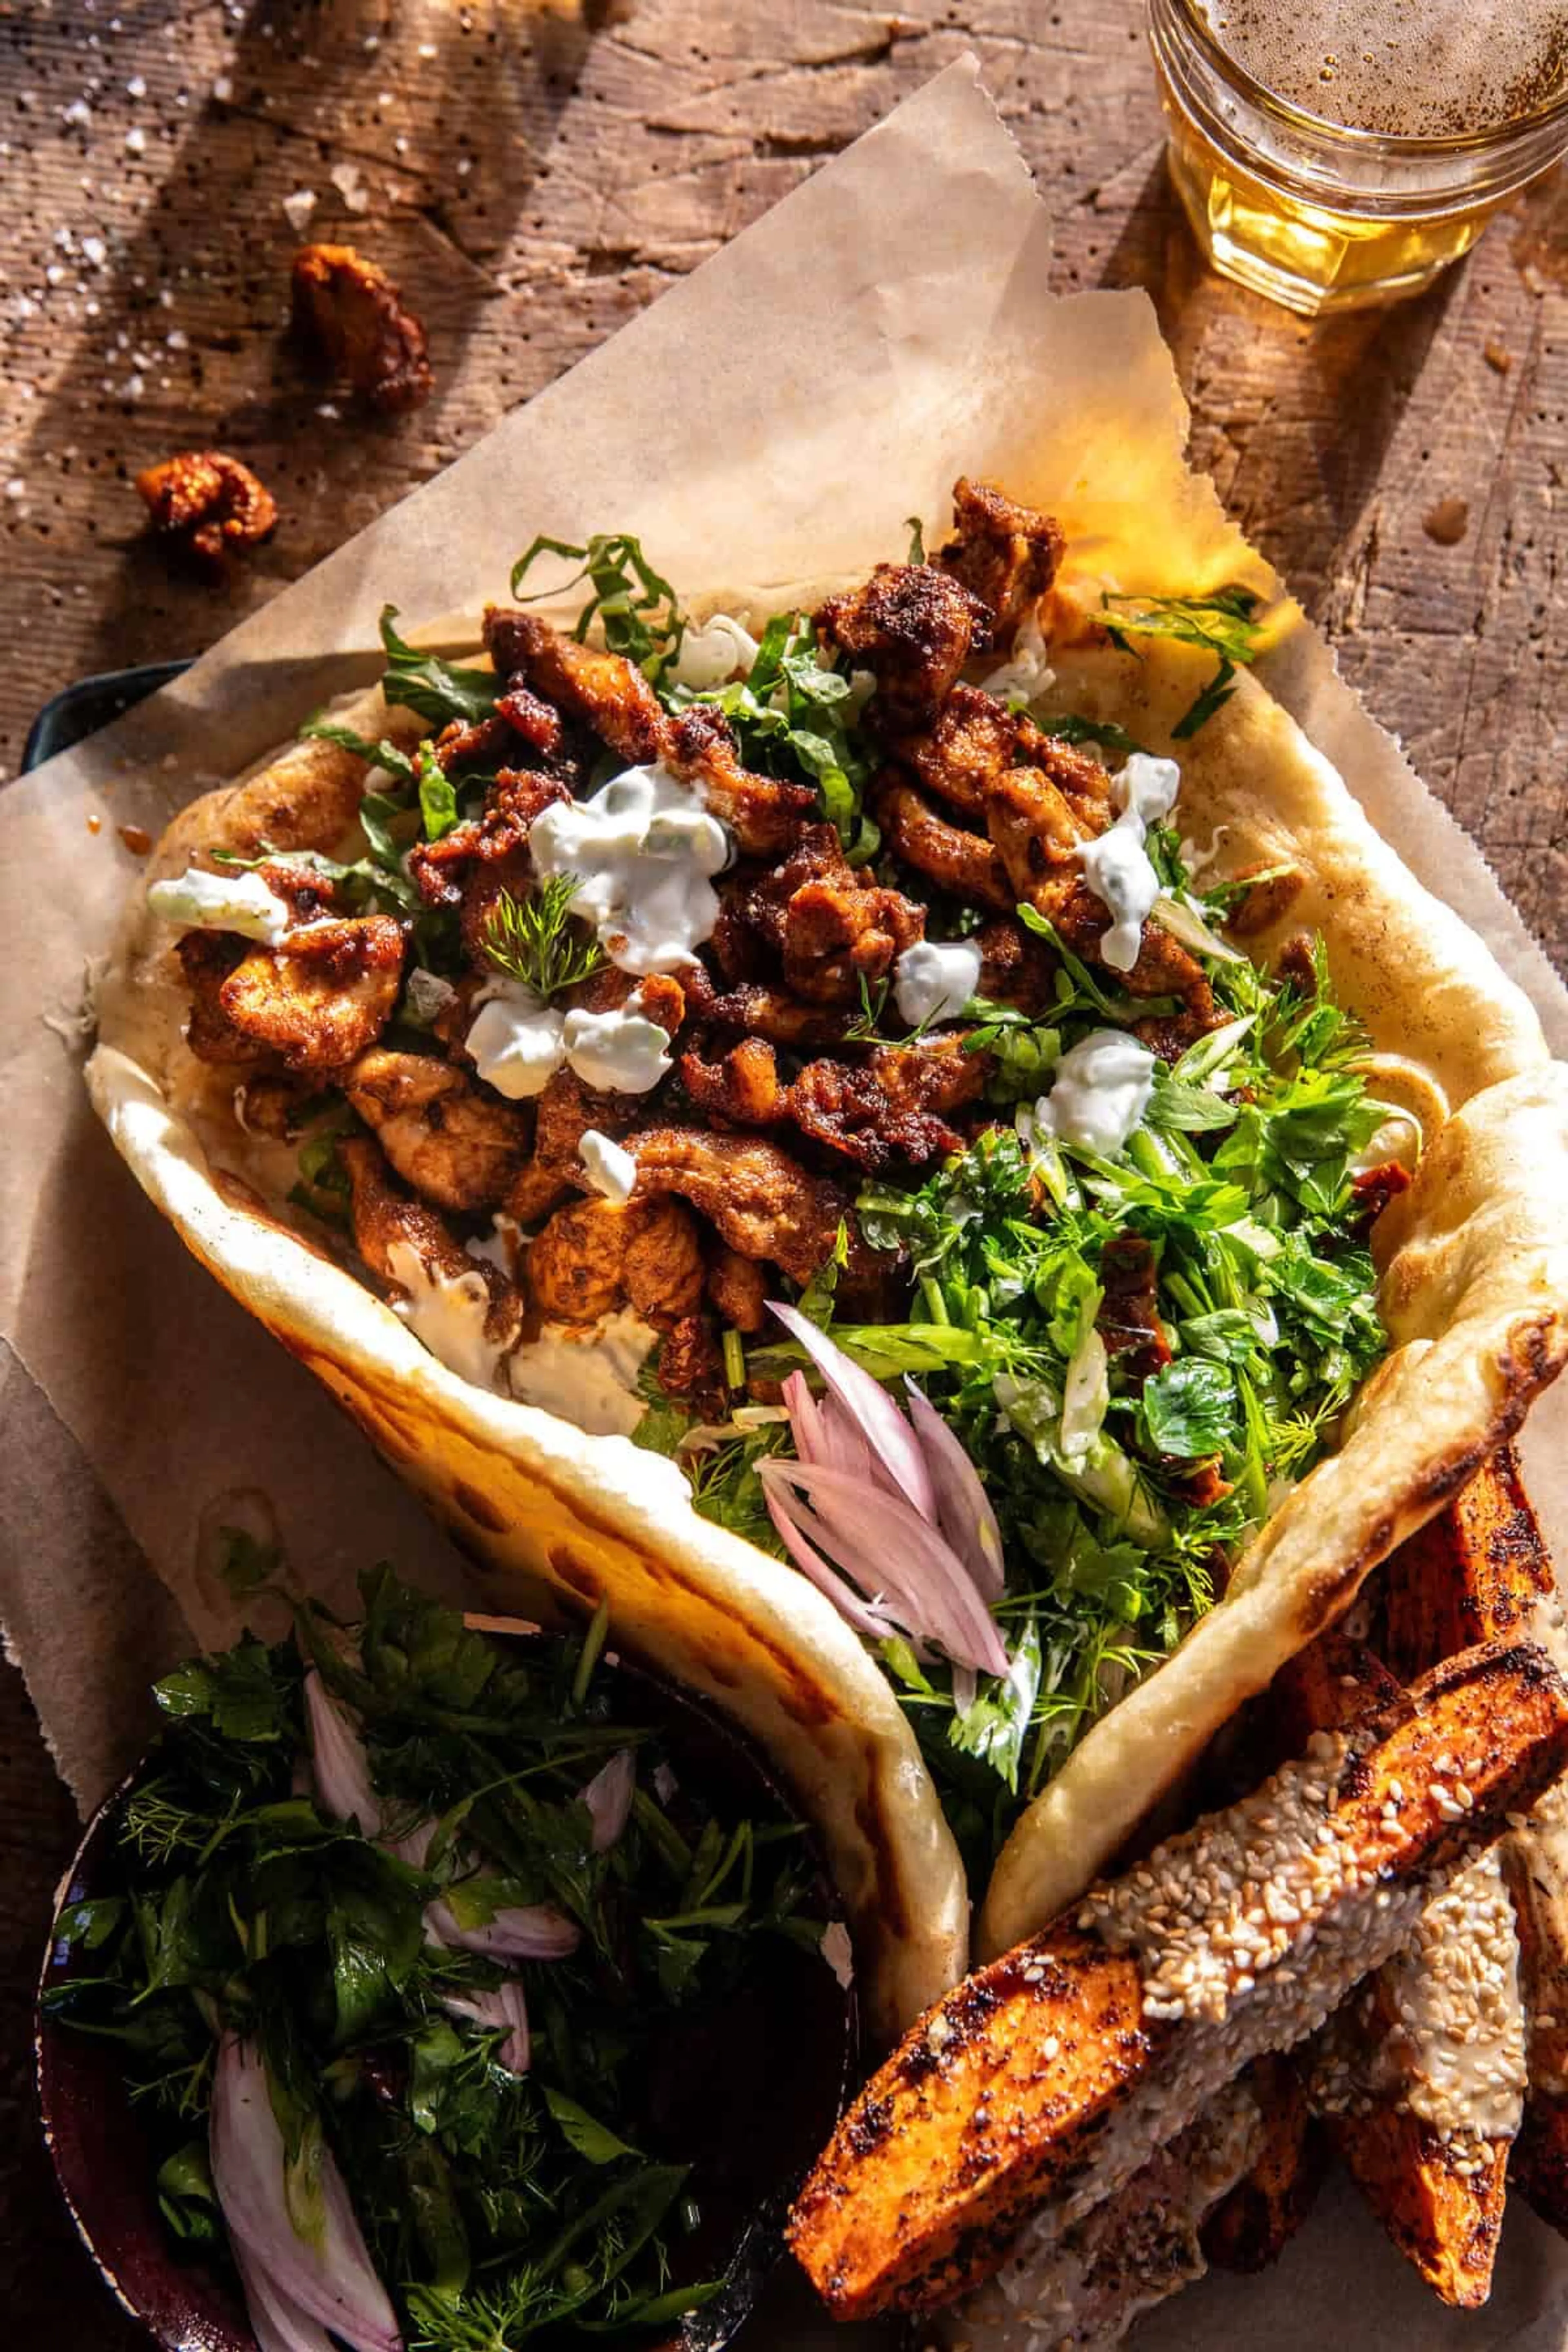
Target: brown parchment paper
x,y
770,421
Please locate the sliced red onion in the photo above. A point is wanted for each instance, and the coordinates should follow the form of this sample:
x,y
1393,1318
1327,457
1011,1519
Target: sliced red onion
x,y
278,2323
527,1931
338,1760
888,1433
963,1507
494,2007
825,1432
608,1797
327,2279
926,1583
788,1516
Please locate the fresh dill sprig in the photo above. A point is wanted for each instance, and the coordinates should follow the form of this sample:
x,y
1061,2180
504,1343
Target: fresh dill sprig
x,y
537,942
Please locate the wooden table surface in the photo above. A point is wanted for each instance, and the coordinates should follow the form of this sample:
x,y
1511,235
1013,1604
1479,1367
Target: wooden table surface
x,y
533,173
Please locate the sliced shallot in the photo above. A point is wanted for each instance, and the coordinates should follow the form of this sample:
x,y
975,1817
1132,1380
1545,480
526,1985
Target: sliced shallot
x,y
328,2277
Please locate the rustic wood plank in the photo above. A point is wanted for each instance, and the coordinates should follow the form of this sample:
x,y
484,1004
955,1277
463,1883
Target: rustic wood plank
x,y
532,179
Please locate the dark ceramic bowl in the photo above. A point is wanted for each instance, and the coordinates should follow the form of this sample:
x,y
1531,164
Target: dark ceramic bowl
x,y
79,710
755,2084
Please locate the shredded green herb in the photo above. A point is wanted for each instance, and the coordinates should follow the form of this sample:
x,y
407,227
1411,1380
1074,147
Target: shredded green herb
x,y
1222,623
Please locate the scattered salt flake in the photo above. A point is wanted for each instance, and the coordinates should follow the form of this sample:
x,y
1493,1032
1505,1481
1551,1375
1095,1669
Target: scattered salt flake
x,y
298,209
94,251
135,385
838,1952
384,98
176,338
427,50
136,141
465,165
400,146
136,87
15,488
223,88
329,409
78,114
349,181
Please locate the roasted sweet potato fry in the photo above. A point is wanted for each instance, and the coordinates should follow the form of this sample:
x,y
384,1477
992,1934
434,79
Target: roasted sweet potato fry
x,y
1473,1573
1049,2078
1255,2221
1082,2290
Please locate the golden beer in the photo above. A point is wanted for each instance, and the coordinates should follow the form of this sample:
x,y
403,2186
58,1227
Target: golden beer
x,y
1332,153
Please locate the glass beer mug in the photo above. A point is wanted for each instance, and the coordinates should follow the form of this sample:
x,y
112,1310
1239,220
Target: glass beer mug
x,y
1331,154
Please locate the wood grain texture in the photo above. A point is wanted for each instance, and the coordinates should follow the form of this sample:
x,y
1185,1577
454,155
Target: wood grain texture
x,y
533,172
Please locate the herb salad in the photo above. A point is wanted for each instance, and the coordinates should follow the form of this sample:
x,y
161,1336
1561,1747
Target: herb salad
x,y
424,1951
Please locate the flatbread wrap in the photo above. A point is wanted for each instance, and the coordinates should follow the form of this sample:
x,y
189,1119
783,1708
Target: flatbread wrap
x,y
914,1142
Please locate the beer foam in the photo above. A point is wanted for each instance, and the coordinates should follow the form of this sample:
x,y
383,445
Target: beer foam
x,y
1408,68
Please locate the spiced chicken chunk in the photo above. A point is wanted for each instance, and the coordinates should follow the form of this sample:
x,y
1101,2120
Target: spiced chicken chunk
x,y
322,997
595,1255
763,1204
400,1238
913,626
1004,553
455,1146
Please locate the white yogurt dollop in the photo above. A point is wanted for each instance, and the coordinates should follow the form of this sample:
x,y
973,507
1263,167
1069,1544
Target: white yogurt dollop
x,y
1026,673
222,902
1117,867
710,655
934,980
617,1053
516,1040
608,1166
447,1313
1100,1093
643,850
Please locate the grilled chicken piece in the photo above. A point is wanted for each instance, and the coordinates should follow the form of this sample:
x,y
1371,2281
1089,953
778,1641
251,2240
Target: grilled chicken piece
x,y
889,1105
765,814
913,626
611,695
1080,2290
321,999
969,745
566,1111
738,1289
1004,553
957,861
831,927
1038,837
1051,2077
470,865
207,958
764,1204
606,690
1480,1568
1080,778
411,1246
595,1255
763,1011
1129,1319
1017,966
455,1146
742,1087
1262,2210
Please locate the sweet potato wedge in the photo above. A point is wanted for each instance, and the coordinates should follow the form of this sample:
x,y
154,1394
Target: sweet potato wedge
x,y
1480,1570
1086,2287
1473,1573
1049,2078
1256,2220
